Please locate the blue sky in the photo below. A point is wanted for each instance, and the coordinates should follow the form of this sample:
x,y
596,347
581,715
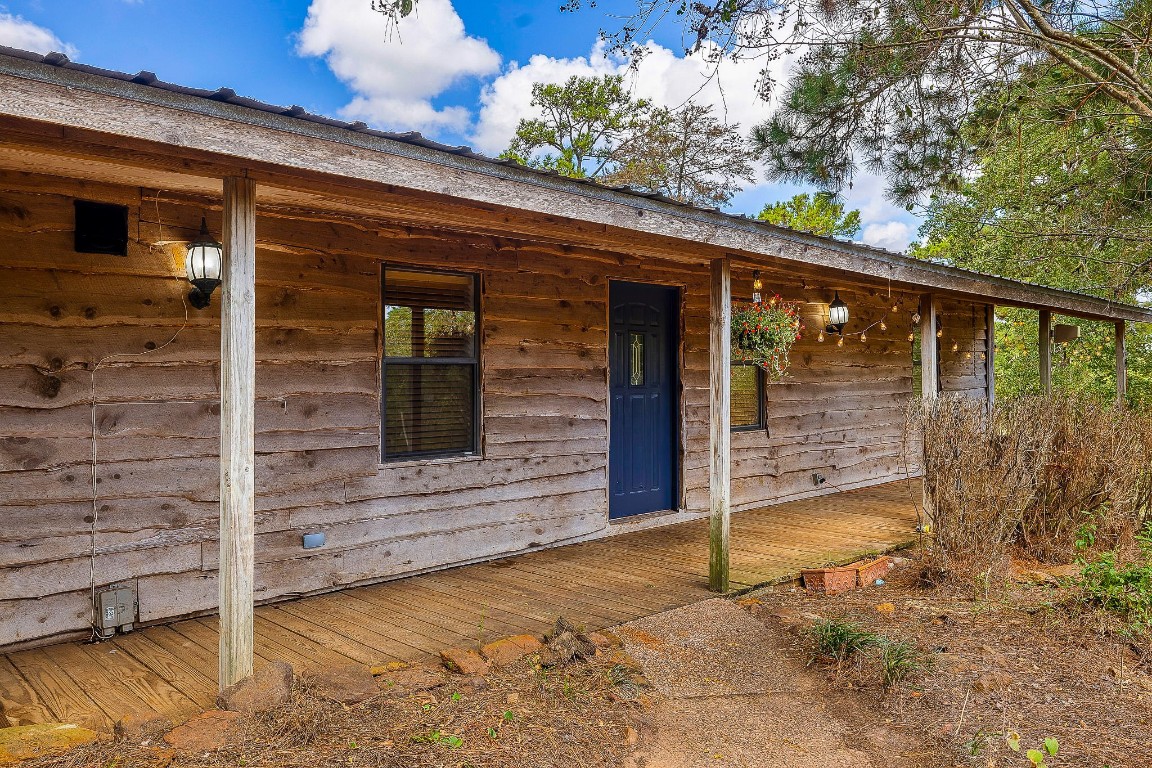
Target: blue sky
x,y
459,73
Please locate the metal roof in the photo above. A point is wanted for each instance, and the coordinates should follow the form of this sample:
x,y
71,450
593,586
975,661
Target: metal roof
x,y
633,196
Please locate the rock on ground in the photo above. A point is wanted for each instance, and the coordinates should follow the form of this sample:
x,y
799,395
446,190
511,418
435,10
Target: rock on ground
x,y
412,678
510,649
732,698
268,688
205,733
24,742
347,684
464,661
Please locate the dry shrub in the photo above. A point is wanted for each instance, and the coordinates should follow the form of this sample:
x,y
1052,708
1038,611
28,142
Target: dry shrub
x,y
1033,475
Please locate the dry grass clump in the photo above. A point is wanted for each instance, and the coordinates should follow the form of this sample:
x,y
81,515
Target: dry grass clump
x,y
1045,477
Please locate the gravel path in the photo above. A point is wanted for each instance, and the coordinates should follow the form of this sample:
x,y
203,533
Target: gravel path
x,y
731,698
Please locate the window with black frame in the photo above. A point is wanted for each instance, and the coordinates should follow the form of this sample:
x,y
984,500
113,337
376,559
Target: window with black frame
x,y
430,367
747,403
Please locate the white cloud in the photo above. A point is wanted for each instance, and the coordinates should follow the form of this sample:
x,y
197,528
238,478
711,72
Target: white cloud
x,y
396,74
670,80
893,235
662,77
16,32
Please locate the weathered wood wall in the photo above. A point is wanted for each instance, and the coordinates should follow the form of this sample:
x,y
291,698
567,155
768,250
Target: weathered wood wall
x,y
79,329
840,411
541,481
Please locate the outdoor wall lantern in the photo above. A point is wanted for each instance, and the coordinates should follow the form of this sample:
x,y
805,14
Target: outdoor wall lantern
x,y
203,263
757,286
837,315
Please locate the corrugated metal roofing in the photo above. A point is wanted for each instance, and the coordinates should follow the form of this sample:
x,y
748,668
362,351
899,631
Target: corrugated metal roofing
x,y
413,138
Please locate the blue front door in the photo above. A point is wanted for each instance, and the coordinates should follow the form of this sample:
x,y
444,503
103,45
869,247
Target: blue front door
x,y
642,386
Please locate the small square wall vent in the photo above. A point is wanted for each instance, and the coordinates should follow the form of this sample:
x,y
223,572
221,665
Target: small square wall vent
x,y
101,228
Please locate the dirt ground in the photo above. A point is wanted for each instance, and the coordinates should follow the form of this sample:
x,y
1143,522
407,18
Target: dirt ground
x,y
731,683
1030,660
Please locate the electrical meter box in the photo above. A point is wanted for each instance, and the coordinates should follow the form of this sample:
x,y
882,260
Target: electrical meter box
x,y
115,609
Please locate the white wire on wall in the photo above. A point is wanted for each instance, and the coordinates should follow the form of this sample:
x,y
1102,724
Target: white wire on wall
x,y
95,516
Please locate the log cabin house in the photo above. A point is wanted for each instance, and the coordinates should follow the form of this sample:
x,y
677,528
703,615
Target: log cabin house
x,y
420,357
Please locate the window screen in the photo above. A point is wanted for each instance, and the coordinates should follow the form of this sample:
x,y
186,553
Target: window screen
x,y
430,366
747,397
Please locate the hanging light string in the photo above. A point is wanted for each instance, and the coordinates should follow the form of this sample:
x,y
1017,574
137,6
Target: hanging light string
x,y
893,304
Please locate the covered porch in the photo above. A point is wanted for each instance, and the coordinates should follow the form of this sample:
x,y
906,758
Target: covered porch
x,y
202,458
171,670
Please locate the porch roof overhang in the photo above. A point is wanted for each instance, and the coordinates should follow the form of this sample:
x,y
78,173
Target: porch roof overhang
x,y
191,138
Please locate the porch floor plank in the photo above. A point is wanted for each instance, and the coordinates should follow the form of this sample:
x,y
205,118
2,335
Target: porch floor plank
x,y
18,699
171,669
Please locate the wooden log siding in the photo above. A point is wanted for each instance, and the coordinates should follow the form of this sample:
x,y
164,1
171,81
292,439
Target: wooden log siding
x,y
542,478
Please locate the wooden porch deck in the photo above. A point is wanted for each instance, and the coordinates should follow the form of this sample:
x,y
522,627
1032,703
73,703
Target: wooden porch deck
x,y
171,669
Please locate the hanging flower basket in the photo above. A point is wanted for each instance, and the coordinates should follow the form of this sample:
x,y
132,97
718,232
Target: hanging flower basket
x,y
763,334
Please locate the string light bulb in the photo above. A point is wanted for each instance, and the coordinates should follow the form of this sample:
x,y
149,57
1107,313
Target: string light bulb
x,y
939,333
983,355
820,337
911,336
895,306
864,337
883,325
840,341
955,346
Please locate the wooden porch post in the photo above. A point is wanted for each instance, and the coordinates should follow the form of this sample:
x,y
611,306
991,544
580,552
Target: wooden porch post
x,y
1121,365
720,392
929,348
1045,342
990,354
237,403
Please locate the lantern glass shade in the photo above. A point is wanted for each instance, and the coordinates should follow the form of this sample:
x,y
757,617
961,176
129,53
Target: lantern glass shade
x,y
203,262
837,315
203,265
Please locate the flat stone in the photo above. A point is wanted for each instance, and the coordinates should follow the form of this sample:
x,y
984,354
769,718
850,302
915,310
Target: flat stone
x,y
270,687
510,649
347,684
390,667
464,661
140,726
24,742
205,733
413,679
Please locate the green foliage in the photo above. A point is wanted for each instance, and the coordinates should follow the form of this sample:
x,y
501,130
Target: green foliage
x,y
1058,200
1085,367
840,640
582,124
592,128
886,85
900,660
1037,757
1122,588
438,737
763,334
895,660
821,214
